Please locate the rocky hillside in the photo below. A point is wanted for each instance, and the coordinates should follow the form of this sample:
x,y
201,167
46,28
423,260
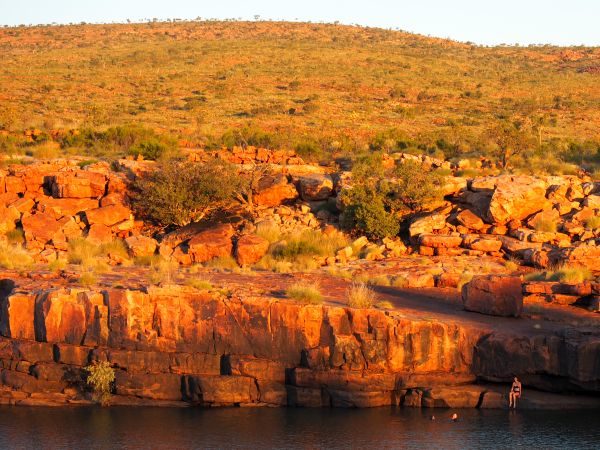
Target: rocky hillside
x,y
328,85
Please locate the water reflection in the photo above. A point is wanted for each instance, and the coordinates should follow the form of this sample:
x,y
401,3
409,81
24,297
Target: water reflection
x,y
134,428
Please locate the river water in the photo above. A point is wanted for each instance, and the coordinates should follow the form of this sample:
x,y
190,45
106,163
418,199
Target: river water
x,y
255,428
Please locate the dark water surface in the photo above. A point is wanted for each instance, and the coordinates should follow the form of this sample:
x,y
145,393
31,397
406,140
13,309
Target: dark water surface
x,y
158,428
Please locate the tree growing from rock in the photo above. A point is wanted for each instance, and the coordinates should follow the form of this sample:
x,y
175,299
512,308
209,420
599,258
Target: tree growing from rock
x,y
100,379
178,193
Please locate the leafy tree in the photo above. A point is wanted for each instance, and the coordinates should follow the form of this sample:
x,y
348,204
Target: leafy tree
x,y
101,377
510,139
379,198
178,193
413,187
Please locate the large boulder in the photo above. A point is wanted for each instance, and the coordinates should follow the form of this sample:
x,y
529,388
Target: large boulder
x,y
99,234
140,246
81,184
250,249
470,220
108,215
61,207
428,224
580,255
315,187
496,295
440,241
516,198
212,243
41,228
273,190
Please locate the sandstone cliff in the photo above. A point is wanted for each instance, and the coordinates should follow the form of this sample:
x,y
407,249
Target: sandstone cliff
x,y
177,345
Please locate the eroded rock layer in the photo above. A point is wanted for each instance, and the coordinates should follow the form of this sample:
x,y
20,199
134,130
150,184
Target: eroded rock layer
x,y
178,345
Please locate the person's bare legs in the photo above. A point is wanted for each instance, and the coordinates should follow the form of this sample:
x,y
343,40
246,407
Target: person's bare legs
x,y
511,399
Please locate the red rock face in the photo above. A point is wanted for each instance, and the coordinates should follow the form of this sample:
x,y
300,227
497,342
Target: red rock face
x,y
495,295
250,249
274,190
212,243
108,215
82,184
176,344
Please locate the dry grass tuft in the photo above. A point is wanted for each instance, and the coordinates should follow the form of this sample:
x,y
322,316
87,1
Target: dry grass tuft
x,y
14,257
359,295
305,292
200,284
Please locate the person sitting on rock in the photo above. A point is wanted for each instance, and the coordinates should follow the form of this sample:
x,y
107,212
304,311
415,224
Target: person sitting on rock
x,y
515,393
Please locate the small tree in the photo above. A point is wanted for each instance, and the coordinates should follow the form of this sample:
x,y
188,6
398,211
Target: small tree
x,y
178,193
414,187
101,377
380,198
510,140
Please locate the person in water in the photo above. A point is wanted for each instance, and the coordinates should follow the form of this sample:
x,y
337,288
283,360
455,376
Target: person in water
x,y
454,417
515,393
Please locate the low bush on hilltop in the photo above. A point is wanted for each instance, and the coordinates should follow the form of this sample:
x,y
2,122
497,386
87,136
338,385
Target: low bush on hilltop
x,y
120,141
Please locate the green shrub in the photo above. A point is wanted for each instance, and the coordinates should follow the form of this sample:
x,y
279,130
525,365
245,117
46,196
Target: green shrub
x,y
366,211
100,379
592,223
120,141
305,292
152,150
16,236
379,198
536,276
545,225
359,295
249,135
309,151
572,275
181,193
308,243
